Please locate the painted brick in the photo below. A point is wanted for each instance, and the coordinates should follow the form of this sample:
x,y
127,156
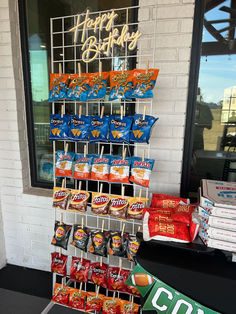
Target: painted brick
x,y
170,26
172,41
4,14
6,71
180,11
5,50
163,107
173,94
167,143
180,106
166,54
173,67
182,81
164,188
186,26
166,81
184,54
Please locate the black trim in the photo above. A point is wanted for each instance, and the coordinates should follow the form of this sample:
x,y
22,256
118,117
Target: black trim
x,y
192,94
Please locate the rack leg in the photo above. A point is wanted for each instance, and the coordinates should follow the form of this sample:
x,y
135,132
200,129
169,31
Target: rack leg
x,y
48,308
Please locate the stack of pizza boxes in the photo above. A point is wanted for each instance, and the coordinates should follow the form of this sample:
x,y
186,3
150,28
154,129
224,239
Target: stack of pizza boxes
x,y
217,210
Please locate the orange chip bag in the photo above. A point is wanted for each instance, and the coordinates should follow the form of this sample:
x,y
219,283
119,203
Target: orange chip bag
x,y
78,87
58,85
111,305
61,294
79,200
100,203
77,299
119,171
128,307
121,85
98,85
136,206
100,168
94,302
144,82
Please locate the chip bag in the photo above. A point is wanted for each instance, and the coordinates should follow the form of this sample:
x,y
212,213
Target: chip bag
x,y
144,82
118,244
136,206
80,237
79,270
100,203
58,264
117,278
121,85
61,294
129,308
79,128
141,128
61,235
94,302
77,299
82,167
59,127
118,206
78,201
99,274
141,170
100,168
119,170
64,164
98,85
99,128
111,305
78,87
58,86
98,244
132,248
133,291
60,197
167,201
120,129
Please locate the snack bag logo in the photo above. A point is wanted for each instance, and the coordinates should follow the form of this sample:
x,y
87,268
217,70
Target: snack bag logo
x,y
79,197
97,79
77,295
120,162
59,194
79,80
96,123
98,239
116,241
140,123
128,307
98,270
137,206
57,261
60,232
97,160
144,76
56,122
84,159
118,124
121,78
119,202
79,234
77,122
133,246
110,303
93,46
62,157
100,200
142,164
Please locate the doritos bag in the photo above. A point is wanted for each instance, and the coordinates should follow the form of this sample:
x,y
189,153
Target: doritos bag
x,y
61,294
94,302
111,305
82,167
58,86
78,201
144,82
79,270
141,129
58,264
129,308
167,201
61,235
136,206
59,128
77,299
117,278
100,168
121,85
64,164
141,170
98,85
118,244
98,244
118,206
79,128
120,129
132,248
100,203
78,87
99,128
99,274
80,237
60,197
119,170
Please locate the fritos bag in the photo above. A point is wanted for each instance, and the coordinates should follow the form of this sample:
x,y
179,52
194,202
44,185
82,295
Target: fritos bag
x,y
118,244
59,127
129,308
141,129
61,235
80,237
121,85
78,87
64,164
78,201
58,86
99,128
100,168
141,170
98,244
132,248
60,197
79,270
144,82
136,206
167,201
61,294
119,170
100,203
120,129
77,299
98,85
111,306
99,274
82,167
94,302
118,206
79,128
117,279
58,264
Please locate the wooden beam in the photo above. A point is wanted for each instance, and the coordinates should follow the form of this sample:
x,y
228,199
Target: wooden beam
x,y
217,48
211,4
211,29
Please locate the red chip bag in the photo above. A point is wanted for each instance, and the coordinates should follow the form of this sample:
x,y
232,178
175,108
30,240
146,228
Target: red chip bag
x,y
77,299
94,302
79,270
133,291
129,308
117,279
111,305
58,264
166,201
61,294
99,274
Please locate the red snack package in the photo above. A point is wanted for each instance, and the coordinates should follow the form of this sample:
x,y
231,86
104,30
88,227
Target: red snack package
x,y
129,308
61,294
94,302
111,305
77,299
79,270
166,201
183,213
99,274
58,264
117,278
133,291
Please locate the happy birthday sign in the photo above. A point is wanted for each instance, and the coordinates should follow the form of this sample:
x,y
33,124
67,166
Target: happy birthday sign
x,y
92,46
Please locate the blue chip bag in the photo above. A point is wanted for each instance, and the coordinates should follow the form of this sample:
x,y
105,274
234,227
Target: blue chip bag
x,y
82,167
79,128
141,170
100,168
121,85
141,129
58,86
78,87
120,129
144,82
99,129
64,164
58,127
98,85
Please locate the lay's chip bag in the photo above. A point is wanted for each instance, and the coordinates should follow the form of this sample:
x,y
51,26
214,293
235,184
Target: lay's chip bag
x,y
98,85
144,82
79,128
64,164
100,168
99,128
121,85
141,128
141,170
58,86
82,167
59,127
120,129
78,87
119,171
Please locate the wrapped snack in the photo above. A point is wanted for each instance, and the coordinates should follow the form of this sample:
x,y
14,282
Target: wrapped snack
x,y
118,207
173,217
99,243
121,85
99,274
94,302
167,201
117,278
58,86
99,128
111,305
64,164
120,129
77,299
78,87
100,168
98,85
79,128
100,203
61,235
141,128
136,206
129,308
59,127
79,270
133,291
61,294
132,248
119,170
144,82
118,244
60,197
82,167
78,201
80,237
141,170
58,264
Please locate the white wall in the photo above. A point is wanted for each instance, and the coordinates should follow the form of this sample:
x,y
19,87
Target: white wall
x,y
27,215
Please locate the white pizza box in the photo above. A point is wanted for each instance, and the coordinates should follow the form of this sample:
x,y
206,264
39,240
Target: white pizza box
x,y
217,234
221,245
218,222
217,211
217,194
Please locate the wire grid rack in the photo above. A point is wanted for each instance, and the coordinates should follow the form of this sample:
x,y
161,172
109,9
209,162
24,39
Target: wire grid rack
x,y
144,52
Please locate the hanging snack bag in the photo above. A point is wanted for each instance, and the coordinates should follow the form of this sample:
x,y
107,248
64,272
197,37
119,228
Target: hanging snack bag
x,y
100,203
79,128
61,235
77,299
111,305
117,278
60,197
119,170
99,274
136,206
94,302
100,168
121,85
129,308
78,201
118,244
61,294
58,264
120,129
118,206
82,167
80,237
141,170
58,86
64,164
141,128
59,127
132,248
79,270
133,291
99,128
99,243
78,87
144,82
98,85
